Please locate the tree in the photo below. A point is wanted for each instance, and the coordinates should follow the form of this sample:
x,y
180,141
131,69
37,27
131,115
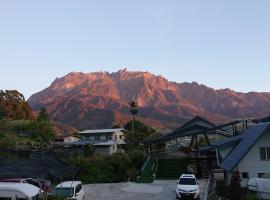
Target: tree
x,y
13,106
43,115
89,150
42,131
141,133
133,111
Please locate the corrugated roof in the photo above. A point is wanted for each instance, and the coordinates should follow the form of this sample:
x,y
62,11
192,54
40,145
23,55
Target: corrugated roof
x,y
101,131
196,126
250,138
223,143
95,143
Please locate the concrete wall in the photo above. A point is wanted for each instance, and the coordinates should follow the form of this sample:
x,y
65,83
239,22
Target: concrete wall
x,y
252,162
106,150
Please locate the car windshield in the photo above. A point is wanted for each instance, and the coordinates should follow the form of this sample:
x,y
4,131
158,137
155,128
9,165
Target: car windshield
x,y
187,181
63,191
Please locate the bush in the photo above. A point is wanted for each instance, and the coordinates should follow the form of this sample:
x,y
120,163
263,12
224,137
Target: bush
x,y
89,150
137,158
103,169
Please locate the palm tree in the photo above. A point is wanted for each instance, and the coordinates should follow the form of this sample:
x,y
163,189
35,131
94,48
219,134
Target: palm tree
x,y
133,111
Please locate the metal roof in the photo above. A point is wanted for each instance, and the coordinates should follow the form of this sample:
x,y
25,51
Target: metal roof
x,y
101,131
85,142
223,143
250,138
196,126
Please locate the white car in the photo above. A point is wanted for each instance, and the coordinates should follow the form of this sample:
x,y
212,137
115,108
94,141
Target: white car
x,y
70,190
188,187
15,191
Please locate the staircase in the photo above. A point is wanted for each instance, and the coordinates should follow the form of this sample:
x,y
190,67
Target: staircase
x,y
171,168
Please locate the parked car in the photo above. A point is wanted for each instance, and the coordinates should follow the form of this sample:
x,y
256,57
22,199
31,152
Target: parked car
x,y
26,180
14,191
188,187
69,190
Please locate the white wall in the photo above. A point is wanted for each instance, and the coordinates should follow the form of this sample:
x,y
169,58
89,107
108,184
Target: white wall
x,y
252,162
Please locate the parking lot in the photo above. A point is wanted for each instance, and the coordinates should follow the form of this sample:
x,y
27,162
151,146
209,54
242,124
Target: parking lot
x,y
158,190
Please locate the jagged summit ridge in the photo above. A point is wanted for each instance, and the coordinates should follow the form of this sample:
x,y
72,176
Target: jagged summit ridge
x,y
99,99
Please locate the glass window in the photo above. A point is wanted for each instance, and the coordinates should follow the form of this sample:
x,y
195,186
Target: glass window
x,y
187,181
78,188
268,153
245,175
121,137
263,153
260,175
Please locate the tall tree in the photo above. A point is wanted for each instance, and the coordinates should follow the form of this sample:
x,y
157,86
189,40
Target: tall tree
x,y
13,106
43,115
133,111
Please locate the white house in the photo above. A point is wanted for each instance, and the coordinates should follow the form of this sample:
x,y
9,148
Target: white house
x,y
117,135
67,139
248,152
105,141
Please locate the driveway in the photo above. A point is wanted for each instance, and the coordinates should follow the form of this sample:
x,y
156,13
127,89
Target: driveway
x,y
158,190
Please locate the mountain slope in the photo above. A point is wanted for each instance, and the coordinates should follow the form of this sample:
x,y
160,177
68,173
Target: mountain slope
x,y
100,99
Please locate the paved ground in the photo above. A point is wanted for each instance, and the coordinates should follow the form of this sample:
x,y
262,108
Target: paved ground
x,y
158,190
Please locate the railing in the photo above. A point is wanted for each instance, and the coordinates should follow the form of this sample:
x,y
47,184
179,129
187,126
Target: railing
x,y
209,188
145,164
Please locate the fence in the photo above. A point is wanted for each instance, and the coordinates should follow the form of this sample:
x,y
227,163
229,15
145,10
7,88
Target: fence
x,y
209,188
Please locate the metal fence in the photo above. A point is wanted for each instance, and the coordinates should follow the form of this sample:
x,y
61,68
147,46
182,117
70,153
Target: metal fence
x,y
209,188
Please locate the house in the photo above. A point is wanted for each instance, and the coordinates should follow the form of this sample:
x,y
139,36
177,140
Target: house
x,y
249,153
67,139
117,135
105,141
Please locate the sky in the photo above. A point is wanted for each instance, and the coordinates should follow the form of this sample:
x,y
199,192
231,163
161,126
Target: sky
x,y
219,43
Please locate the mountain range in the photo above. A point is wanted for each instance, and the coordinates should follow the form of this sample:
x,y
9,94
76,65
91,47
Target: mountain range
x,y
101,99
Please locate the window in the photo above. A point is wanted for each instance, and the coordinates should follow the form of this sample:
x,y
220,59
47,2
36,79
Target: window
x,y
245,175
103,137
121,137
78,189
97,137
260,175
115,137
265,153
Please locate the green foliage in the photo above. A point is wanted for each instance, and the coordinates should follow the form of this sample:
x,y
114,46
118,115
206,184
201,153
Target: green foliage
x,y
103,169
137,158
252,197
89,150
43,115
13,106
42,131
118,167
134,108
140,127
141,133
